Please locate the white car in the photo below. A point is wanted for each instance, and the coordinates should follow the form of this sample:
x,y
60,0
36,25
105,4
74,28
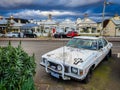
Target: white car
x,y
12,34
78,58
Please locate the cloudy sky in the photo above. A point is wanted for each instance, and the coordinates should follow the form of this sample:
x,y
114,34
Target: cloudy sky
x,y
60,9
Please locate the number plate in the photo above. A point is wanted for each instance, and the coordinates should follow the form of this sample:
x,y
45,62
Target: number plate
x,y
55,75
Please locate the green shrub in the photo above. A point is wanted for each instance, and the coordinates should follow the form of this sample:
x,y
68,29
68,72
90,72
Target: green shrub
x,y
16,68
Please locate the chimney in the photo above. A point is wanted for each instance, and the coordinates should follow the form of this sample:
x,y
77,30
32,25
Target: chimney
x,y
50,17
1,17
85,15
11,17
116,17
19,21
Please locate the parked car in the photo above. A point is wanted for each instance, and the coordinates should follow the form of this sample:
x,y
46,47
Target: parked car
x,y
78,58
38,34
60,35
30,35
72,34
12,34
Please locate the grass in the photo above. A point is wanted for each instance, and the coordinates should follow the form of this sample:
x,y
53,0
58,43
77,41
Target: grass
x,y
101,77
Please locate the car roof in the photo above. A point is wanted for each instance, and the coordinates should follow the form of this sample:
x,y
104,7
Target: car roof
x,y
87,37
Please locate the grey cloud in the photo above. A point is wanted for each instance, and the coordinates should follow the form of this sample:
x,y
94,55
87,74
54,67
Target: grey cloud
x,y
66,3
14,3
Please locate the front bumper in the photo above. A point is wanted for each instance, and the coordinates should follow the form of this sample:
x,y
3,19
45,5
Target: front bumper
x,y
65,73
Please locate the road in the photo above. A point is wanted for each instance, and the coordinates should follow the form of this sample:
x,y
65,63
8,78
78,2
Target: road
x,y
43,81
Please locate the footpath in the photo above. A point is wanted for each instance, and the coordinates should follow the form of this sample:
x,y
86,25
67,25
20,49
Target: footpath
x,y
113,39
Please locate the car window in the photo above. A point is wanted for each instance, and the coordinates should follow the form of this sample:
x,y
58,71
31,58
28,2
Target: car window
x,y
104,42
83,43
100,44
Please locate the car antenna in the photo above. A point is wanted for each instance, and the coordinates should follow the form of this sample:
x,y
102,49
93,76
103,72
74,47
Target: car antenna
x,y
63,53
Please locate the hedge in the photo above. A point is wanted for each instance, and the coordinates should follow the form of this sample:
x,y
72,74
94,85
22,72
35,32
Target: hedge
x,y
16,68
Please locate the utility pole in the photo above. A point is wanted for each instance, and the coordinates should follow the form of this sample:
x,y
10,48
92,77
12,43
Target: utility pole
x,y
103,16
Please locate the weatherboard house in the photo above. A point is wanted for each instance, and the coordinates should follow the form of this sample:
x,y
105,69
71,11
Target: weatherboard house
x,y
112,26
87,26
6,24
67,25
45,26
11,24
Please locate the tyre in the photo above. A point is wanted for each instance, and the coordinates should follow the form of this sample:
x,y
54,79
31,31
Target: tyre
x,y
88,77
13,36
55,36
110,53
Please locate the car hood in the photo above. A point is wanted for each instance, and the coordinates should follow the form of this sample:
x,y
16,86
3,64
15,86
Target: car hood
x,y
69,55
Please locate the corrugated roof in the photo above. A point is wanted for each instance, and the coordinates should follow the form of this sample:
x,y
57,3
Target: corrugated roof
x,y
87,21
29,26
18,25
117,22
3,21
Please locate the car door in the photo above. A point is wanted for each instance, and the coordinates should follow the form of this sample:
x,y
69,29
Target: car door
x,y
105,46
101,51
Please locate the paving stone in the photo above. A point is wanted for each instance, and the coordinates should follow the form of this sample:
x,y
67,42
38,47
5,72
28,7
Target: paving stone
x,y
56,88
43,87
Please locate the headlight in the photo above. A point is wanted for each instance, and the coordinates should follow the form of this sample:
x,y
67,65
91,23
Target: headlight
x,y
59,67
74,70
44,60
48,63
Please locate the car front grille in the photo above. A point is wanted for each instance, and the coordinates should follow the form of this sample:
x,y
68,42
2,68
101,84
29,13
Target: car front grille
x,y
54,67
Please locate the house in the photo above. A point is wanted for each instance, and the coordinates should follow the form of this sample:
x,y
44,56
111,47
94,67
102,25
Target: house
x,y
6,24
45,26
67,25
11,24
112,26
87,26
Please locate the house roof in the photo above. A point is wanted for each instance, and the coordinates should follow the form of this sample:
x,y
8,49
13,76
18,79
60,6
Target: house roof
x,y
3,21
12,21
29,26
116,22
22,20
87,21
105,23
18,25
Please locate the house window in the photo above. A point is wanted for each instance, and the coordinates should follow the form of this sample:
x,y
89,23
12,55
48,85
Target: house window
x,y
86,29
117,28
93,30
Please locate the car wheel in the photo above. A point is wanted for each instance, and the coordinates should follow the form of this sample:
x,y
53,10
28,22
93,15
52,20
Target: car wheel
x,y
56,36
13,36
88,77
110,53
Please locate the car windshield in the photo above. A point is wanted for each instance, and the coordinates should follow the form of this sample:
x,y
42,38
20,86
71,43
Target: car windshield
x,y
90,44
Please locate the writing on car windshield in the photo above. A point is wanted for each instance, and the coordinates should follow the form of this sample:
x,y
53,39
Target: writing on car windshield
x,y
90,44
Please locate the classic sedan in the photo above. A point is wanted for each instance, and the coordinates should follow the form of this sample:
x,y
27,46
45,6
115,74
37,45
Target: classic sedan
x,y
78,58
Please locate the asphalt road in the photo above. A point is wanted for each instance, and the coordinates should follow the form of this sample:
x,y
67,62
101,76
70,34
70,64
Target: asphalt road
x,y
43,81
